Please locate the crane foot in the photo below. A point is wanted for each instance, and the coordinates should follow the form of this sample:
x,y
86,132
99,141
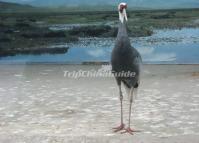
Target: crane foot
x,y
119,128
128,130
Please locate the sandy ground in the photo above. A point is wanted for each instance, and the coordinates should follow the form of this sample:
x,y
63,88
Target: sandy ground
x,y
39,104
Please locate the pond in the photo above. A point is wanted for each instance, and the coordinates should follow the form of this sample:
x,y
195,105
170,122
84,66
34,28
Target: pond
x,y
168,46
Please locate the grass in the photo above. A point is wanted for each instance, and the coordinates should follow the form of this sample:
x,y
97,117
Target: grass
x,y
145,18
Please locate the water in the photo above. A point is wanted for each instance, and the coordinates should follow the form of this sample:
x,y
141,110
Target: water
x,y
164,46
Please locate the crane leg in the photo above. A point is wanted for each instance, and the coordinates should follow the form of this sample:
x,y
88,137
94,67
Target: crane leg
x,y
128,129
121,127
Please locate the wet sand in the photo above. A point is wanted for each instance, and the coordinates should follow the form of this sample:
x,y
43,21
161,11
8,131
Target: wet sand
x,y
39,104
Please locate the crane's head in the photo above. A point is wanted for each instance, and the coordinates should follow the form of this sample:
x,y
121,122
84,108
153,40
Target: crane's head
x,y
122,11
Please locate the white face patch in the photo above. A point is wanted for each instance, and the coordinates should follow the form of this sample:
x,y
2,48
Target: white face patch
x,y
122,14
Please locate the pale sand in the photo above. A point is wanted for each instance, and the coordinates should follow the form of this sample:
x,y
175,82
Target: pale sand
x,y
39,104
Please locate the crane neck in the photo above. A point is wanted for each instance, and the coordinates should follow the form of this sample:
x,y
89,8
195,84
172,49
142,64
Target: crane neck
x,y
122,35
122,29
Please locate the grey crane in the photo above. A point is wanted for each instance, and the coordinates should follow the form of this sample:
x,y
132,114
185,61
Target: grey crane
x,y
125,59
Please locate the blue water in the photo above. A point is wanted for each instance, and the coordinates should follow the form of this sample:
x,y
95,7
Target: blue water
x,y
181,48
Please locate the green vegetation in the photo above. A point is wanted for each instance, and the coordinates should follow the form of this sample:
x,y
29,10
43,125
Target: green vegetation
x,y
93,31
25,38
107,31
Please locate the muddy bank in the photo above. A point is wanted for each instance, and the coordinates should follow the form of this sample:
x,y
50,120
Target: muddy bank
x,y
38,103
35,51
